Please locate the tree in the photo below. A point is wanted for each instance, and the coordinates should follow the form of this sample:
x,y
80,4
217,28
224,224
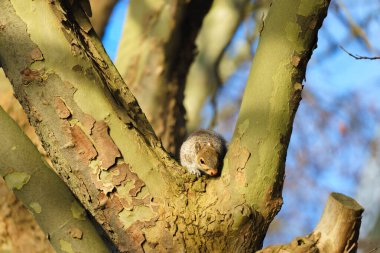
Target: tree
x,y
105,150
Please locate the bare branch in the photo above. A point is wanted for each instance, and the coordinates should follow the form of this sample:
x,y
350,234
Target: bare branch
x,y
358,57
339,225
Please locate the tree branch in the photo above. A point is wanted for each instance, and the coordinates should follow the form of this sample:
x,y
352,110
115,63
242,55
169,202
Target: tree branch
x,y
105,151
337,231
358,57
43,193
253,172
271,100
339,225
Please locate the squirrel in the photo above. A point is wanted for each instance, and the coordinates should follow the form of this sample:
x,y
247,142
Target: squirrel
x,y
203,151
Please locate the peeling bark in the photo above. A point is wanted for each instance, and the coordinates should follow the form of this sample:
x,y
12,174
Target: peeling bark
x,y
43,194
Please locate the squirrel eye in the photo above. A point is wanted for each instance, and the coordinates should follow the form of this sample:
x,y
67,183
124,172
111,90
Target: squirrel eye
x,y
202,161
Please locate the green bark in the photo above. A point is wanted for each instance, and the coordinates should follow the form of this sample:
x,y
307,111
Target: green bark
x,y
56,210
95,145
271,99
253,172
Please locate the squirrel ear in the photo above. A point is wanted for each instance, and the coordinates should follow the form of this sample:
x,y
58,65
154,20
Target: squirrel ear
x,y
197,147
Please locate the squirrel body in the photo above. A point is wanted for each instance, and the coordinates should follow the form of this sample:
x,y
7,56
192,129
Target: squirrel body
x,y
203,151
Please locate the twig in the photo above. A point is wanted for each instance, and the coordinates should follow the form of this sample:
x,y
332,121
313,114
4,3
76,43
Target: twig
x,y
373,250
358,57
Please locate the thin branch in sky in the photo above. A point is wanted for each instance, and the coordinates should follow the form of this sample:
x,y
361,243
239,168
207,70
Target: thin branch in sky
x,y
359,57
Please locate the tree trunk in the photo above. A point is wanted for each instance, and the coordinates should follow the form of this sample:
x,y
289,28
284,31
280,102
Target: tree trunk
x,y
101,144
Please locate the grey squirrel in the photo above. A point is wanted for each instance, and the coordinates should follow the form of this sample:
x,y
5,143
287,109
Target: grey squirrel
x,y
203,151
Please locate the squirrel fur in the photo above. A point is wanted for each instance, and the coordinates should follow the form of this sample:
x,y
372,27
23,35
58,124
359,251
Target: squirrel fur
x,y
203,152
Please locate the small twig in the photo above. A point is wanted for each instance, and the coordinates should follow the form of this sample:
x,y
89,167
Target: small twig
x,y
358,57
373,250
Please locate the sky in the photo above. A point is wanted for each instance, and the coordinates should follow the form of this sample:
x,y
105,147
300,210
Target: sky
x,y
334,78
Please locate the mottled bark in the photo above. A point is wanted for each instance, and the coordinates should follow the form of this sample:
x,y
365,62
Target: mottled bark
x,y
100,143
101,12
13,108
155,53
43,193
62,77
271,99
19,231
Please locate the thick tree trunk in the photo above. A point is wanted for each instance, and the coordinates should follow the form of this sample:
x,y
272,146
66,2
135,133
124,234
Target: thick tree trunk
x,y
100,143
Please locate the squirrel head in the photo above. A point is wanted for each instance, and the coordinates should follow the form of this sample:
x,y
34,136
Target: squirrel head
x,y
207,159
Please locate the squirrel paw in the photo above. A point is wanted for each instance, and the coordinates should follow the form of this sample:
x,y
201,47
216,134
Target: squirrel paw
x,y
194,171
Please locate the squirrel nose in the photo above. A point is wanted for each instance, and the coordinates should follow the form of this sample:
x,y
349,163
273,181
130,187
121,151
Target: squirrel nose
x,y
213,172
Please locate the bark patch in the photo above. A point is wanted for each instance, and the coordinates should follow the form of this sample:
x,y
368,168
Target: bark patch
x,y
88,123
240,155
75,232
36,54
120,174
30,75
61,108
83,145
108,151
135,241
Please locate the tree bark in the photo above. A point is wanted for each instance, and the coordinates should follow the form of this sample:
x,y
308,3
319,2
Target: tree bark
x,y
256,157
155,53
44,194
339,225
62,77
100,143
19,231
